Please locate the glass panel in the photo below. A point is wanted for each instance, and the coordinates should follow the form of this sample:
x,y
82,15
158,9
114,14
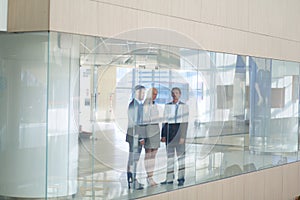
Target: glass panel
x,y
195,64
207,161
284,111
230,88
260,111
63,109
94,122
23,97
88,164
260,93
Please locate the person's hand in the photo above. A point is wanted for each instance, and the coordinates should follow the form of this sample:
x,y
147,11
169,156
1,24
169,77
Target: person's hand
x,y
142,141
181,141
163,139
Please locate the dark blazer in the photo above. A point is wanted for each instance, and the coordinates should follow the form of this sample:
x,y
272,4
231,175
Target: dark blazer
x,y
174,131
134,121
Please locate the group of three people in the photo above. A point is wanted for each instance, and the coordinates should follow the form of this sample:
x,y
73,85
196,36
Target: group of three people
x,y
144,130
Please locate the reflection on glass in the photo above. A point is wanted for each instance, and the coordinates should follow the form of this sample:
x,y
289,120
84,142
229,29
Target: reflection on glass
x,y
152,140
174,133
284,106
62,143
260,104
23,100
135,136
237,114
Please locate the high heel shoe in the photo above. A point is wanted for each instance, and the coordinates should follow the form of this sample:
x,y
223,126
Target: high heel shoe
x,y
129,179
151,182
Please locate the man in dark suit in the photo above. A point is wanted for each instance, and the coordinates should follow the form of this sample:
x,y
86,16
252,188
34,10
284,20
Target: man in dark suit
x,y
174,135
135,136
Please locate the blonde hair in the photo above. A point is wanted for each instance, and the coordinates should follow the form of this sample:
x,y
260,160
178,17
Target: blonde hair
x,y
149,94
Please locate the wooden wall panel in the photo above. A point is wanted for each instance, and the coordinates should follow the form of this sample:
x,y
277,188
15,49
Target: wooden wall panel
x,y
28,15
258,28
280,182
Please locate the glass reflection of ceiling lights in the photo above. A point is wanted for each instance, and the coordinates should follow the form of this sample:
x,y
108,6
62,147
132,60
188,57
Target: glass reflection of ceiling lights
x,y
124,53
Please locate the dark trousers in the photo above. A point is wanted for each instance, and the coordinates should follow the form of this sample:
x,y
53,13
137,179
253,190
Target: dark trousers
x,y
180,153
135,148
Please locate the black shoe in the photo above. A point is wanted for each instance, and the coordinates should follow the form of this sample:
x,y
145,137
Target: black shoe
x,y
141,184
129,179
180,182
166,182
138,186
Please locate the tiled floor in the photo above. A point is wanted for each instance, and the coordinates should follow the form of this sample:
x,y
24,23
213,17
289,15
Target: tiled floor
x,y
103,159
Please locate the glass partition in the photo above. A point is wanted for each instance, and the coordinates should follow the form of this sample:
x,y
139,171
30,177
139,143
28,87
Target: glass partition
x,y
62,115
106,118
260,103
231,70
23,119
284,110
